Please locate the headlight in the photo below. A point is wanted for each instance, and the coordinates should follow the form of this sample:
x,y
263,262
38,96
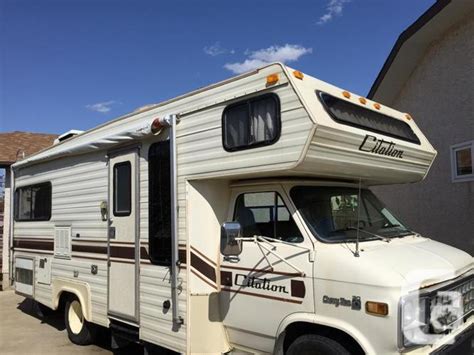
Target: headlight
x,y
413,321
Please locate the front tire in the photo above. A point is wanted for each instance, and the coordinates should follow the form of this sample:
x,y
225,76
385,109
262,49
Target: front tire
x,y
312,344
79,330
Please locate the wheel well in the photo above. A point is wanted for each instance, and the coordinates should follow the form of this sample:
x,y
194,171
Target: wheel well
x,y
63,297
297,329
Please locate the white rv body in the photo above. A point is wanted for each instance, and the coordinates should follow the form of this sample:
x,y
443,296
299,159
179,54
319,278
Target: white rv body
x,y
251,302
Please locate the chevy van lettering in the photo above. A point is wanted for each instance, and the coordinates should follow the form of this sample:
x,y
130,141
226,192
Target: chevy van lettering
x,y
374,145
261,284
355,303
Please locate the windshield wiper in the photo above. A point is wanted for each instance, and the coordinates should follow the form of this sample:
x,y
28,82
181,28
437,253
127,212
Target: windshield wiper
x,y
385,239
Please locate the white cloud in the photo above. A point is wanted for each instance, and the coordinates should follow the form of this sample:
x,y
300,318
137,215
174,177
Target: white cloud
x,y
284,54
333,8
102,107
216,49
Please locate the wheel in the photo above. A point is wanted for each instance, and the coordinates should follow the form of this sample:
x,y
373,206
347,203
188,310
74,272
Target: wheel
x,y
79,330
312,344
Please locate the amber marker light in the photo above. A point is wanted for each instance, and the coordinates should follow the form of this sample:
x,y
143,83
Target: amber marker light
x,y
346,94
408,117
156,125
377,106
376,308
362,100
272,79
298,75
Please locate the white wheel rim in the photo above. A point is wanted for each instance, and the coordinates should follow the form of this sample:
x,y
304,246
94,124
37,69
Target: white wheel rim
x,y
75,317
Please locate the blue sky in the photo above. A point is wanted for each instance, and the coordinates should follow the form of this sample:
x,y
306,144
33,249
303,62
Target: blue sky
x,y
73,64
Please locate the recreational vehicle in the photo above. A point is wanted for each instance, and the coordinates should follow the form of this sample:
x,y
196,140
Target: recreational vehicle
x,y
239,218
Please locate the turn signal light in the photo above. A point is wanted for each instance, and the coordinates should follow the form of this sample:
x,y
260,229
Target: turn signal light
x,y
272,79
377,106
408,116
298,75
362,100
346,94
376,308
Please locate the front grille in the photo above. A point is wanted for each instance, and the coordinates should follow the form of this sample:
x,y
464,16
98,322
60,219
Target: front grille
x,y
452,305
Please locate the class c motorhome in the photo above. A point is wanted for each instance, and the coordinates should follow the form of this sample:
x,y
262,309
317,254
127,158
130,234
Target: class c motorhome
x,y
238,218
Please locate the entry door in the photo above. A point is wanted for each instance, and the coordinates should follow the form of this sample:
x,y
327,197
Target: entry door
x,y
123,238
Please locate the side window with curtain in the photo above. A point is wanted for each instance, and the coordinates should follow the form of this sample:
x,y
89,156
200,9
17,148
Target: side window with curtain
x,y
265,214
33,202
251,123
159,203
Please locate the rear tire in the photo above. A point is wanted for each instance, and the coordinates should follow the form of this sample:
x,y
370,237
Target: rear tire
x,y
312,344
79,330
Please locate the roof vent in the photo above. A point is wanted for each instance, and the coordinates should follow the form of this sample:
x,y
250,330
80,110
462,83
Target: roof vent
x,y
67,135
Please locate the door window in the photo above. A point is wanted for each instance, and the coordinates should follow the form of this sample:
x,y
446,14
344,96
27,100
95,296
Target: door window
x,y
265,214
122,189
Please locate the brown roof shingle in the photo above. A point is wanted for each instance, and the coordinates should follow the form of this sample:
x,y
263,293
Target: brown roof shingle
x,y
17,145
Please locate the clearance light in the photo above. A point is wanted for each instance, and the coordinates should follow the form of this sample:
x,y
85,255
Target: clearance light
x,y
376,308
377,106
272,79
408,117
298,75
156,125
362,100
346,94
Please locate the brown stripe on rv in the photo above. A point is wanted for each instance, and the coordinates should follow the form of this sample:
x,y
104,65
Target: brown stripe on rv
x,y
89,249
261,296
122,252
203,267
181,255
298,288
33,244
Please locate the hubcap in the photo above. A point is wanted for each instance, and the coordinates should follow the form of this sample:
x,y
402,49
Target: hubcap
x,y
75,317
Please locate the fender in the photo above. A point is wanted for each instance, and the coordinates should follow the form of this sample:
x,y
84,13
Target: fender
x,y
324,321
80,289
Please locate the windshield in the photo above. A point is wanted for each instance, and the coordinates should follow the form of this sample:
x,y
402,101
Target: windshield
x,y
332,213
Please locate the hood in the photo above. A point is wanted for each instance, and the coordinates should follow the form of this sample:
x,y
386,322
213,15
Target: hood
x,y
409,263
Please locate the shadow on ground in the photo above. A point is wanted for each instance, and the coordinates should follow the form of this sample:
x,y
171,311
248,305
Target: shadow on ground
x,y
56,321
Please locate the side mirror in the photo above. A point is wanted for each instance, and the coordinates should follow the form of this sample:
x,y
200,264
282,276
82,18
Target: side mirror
x,y
230,245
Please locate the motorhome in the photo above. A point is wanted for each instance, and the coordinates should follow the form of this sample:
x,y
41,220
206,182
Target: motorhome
x,y
239,218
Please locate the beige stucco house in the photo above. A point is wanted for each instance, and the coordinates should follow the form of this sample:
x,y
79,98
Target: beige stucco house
x,y
430,74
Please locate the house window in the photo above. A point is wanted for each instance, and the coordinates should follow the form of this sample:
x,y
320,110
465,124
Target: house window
x,y
122,189
265,214
251,123
462,158
33,202
159,203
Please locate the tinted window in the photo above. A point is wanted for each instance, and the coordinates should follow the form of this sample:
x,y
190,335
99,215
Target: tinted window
x,y
33,203
251,123
159,203
122,189
345,112
265,214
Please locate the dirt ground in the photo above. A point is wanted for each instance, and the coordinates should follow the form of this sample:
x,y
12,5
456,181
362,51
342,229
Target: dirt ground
x,y
23,331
